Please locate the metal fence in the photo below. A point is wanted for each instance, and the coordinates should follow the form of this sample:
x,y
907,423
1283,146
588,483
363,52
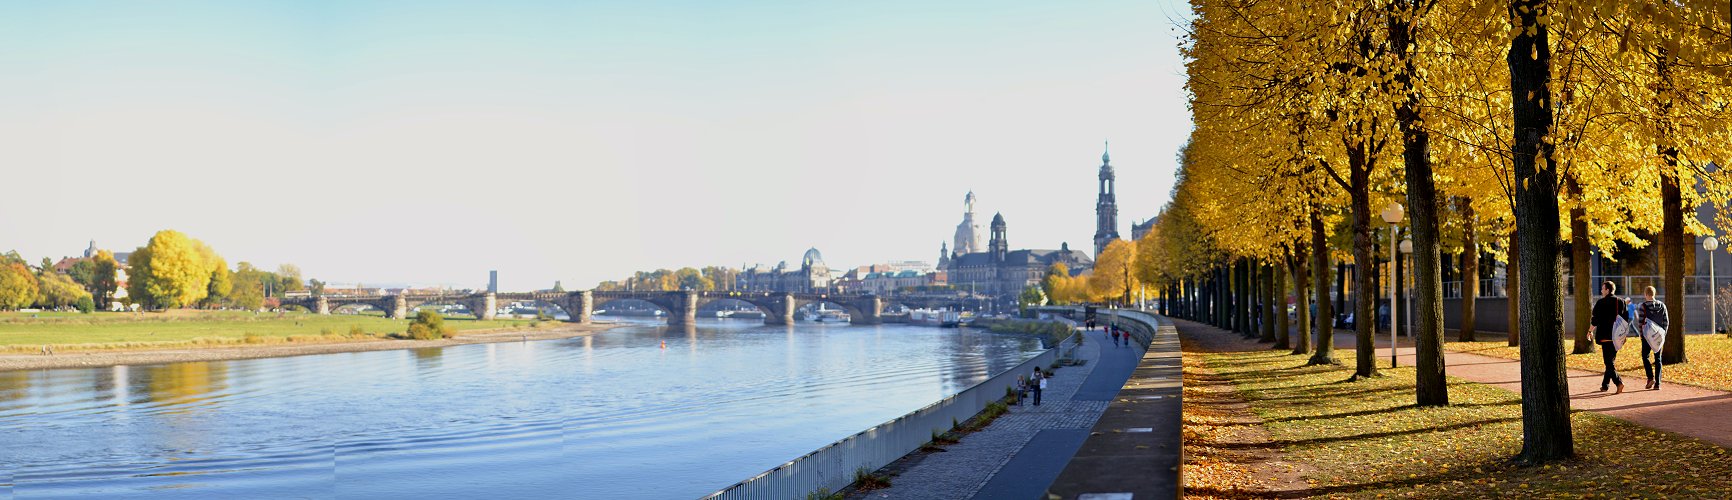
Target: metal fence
x,y
1627,285
832,467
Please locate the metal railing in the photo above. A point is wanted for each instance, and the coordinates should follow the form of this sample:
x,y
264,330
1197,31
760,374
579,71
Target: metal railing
x,y
832,467
1694,286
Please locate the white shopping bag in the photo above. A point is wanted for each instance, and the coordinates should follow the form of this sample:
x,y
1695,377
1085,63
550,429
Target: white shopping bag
x,y
1620,329
1655,335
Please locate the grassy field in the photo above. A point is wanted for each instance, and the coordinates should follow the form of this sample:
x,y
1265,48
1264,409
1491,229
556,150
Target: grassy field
x,y
1366,439
28,332
1710,358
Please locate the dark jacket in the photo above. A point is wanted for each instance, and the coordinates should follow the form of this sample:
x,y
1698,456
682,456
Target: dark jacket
x,y
1606,311
1653,311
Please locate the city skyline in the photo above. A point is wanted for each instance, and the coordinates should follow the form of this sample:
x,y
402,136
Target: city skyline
x,y
428,145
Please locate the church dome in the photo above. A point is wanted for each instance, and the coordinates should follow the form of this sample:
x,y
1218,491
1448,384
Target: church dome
x,y
812,258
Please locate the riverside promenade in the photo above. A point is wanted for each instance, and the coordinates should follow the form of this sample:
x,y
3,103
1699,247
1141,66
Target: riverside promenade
x,y
1086,440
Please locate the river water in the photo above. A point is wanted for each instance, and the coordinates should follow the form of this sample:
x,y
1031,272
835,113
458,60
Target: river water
x,y
613,415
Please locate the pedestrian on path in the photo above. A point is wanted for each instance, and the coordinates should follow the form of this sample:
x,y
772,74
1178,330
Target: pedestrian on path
x,y
1607,311
1021,389
1651,316
1038,383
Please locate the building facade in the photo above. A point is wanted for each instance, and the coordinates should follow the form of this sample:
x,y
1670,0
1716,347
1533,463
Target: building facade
x,y
813,276
1000,271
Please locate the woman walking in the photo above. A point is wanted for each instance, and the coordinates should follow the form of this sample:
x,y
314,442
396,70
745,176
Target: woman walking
x,y
1651,321
1607,311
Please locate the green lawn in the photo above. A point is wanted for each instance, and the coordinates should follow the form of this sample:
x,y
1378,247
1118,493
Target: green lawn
x,y
1366,439
1710,358
27,332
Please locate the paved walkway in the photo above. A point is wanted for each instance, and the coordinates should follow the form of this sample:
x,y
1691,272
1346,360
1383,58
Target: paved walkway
x,y
1691,411
1135,448
1022,451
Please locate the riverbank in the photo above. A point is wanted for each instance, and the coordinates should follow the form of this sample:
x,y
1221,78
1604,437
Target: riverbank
x,y
223,352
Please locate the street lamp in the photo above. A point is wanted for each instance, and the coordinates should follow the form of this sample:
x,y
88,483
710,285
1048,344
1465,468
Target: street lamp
x,y
1406,252
1711,244
1393,215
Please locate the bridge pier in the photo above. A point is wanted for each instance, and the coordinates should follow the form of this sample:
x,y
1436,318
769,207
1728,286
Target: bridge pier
x,y
684,307
871,311
399,307
783,311
485,308
582,309
322,305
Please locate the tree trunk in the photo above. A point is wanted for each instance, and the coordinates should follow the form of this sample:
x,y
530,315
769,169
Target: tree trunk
x,y
1340,292
1469,273
1430,387
1278,295
1324,324
1546,434
1512,286
1247,296
1583,280
1266,285
1301,302
1364,266
1672,262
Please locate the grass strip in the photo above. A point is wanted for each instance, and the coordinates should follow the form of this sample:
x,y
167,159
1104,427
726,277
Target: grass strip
x,y
1366,439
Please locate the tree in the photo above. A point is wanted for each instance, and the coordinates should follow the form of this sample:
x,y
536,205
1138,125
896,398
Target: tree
x,y
58,291
170,271
1031,296
1546,434
83,272
105,276
1114,275
428,325
289,277
1050,282
317,288
248,291
18,286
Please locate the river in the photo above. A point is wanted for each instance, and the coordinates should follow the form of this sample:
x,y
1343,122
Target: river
x,y
613,415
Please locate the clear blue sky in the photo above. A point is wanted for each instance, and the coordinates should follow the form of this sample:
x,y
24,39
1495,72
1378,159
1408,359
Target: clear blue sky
x,y
429,142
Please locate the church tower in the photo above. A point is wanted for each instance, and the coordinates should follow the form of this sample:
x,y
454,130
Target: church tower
x,y
1106,208
943,255
998,246
967,239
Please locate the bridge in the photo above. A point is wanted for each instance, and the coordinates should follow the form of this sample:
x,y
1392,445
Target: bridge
x,y
681,306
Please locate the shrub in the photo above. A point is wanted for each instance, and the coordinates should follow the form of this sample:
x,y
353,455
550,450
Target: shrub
x,y
85,304
428,325
865,480
356,331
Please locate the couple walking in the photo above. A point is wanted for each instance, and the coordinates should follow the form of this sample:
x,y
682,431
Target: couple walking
x,y
1612,322
1035,383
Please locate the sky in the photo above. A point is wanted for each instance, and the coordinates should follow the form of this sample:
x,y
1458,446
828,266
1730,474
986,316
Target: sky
x,y
429,142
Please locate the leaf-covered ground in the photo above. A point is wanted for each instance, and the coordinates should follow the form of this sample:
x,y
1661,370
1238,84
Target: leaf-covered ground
x,y
1366,439
1710,360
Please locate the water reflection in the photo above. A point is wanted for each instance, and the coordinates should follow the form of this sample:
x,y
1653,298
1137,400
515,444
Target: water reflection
x,y
582,417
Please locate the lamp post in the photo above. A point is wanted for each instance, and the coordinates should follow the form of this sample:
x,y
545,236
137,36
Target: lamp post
x,y
1711,244
1392,214
1407,250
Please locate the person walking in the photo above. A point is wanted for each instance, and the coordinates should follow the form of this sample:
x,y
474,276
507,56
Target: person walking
x,y
1607,311
1036,384
1651,321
